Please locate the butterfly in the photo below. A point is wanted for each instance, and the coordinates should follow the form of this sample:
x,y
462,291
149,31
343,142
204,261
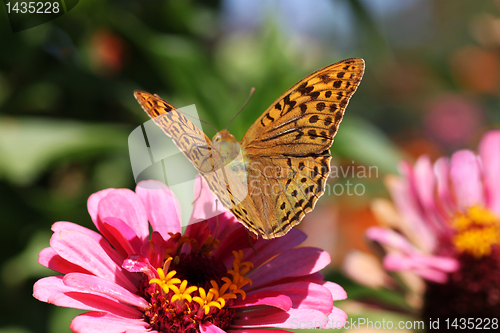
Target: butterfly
x,y
278,171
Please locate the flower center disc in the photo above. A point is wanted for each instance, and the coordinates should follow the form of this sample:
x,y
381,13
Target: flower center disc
x,y
192,289
198,269
477,231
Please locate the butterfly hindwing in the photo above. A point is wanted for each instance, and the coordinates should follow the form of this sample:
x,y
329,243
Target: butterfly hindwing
x,y
285,189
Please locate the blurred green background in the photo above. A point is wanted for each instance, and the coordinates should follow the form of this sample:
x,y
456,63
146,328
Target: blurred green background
x,y
431,86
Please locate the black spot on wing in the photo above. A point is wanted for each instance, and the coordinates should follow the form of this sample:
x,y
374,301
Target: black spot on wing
x,y
314,95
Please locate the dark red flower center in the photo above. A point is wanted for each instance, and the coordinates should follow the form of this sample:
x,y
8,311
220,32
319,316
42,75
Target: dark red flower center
x,y
199,269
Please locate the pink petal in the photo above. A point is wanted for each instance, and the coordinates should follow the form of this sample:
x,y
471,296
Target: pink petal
x,y
100,322
153,251
442,171
397,261
445,264
265,297
93,203
127,206
200,231
210,328
66,226
431,274
120,235
264,330
239,239
489,150
92,284
293,319
137,263
425,184
223,224
269,248
432,268
314,278
81,249
296,262
466,178
44,288
336,319
50,259
391,238
53,291
303,295
204,206
162,207
61,226
338,293
405,198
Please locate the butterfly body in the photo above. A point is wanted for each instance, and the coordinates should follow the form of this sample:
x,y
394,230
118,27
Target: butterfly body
x,y
275,175
234,162
227,145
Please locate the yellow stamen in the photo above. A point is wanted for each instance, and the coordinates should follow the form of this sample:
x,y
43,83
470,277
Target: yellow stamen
x,y
220,294
478,230
183,293
206,300
238,272
166,282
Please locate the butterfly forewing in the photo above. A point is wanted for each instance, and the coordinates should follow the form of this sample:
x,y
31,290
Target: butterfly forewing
x,y
191,140
305,118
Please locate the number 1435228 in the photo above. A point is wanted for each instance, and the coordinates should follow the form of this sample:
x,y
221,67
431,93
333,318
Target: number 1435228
x,y
33,7
472,323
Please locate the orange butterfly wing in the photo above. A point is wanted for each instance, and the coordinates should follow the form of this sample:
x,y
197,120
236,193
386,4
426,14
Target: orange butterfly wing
x,y
191,141
288,148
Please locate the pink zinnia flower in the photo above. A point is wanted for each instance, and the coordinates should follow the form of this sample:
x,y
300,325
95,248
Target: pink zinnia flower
x,y
447,230
208,279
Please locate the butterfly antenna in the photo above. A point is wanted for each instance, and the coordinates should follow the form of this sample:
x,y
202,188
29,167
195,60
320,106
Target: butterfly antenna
x,y
216,222
245,104
201,120
250,242
199,193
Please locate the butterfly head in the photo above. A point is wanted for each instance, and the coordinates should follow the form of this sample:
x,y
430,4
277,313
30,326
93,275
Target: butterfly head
x,y
227,145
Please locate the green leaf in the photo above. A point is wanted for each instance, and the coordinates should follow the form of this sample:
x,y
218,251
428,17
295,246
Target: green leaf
x,y
28,146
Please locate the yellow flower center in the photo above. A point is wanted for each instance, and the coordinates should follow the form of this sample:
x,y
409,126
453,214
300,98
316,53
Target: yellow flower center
x,y
477,231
